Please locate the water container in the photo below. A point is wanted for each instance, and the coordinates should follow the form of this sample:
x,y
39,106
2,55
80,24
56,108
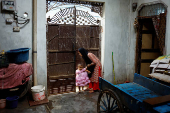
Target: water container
x,y
12,102
38,92
18,55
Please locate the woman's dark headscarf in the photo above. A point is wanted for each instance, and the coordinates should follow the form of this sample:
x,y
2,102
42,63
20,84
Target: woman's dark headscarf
x,y
84,54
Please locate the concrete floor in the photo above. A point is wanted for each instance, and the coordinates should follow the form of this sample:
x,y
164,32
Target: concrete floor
x,y
83,102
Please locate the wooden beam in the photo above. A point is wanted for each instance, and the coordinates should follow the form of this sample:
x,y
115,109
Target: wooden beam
x,y
93,49
90,49
57,51
62,76
158,100
61,63
151,50
147,31
147,60
153,40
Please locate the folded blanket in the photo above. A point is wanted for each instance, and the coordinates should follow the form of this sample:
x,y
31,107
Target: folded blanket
x,y
162,77
15,75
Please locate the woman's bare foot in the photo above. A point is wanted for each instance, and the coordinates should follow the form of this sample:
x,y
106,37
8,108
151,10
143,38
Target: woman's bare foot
x,y
88,89
91,91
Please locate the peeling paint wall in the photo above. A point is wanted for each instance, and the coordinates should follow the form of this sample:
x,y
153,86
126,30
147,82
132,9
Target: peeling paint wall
x,y
130,65
116,40
13,40
115,22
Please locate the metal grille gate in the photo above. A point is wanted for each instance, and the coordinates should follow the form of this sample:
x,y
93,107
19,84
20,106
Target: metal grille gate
x,y
63,40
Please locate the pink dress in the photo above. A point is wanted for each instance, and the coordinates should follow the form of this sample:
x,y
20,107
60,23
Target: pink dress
x,y
82,78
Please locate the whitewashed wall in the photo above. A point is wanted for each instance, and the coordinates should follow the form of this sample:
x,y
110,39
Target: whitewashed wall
x,y
13,40
130,65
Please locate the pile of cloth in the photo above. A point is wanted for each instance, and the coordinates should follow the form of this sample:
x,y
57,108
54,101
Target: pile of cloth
x,y
161,68
15,75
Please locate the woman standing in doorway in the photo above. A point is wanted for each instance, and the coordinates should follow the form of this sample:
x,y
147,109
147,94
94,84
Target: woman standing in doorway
x,y
94,66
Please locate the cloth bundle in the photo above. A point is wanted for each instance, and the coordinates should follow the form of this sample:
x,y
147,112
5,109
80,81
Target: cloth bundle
x,y
161,68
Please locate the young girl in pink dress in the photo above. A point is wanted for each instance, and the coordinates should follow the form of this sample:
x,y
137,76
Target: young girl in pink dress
x,y
82,78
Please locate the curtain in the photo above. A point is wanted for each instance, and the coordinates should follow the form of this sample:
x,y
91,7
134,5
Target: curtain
x,y
159,23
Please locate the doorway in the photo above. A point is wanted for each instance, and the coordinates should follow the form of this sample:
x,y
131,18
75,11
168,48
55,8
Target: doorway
x,y
68,30
150,36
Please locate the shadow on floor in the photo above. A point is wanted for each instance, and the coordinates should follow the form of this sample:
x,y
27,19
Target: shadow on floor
x,y
83,102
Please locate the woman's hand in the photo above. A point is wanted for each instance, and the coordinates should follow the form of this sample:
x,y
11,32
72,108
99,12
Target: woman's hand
x,y
88,65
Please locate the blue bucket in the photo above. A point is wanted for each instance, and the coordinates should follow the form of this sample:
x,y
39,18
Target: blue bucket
x,y
18,55
12,102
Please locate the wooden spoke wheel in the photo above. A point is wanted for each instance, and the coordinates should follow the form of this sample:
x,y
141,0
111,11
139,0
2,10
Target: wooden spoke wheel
x,y
109,102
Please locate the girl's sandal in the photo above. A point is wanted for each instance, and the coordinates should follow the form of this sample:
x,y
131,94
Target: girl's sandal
x,y
91,91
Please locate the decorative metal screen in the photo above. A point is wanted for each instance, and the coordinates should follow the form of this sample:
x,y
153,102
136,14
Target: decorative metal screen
x,y
94,6
66,16
152,10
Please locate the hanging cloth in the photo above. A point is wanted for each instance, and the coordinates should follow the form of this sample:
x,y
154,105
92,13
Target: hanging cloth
x,y
159,23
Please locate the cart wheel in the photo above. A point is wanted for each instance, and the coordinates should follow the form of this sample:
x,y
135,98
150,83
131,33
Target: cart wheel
x,y
109,102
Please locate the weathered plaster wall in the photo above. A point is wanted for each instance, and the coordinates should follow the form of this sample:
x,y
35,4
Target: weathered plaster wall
x,y
132,36
41,43
13,40
116,32
115,22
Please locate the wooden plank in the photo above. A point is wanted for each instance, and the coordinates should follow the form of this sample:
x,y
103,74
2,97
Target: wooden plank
x,y
158,100
153,41
146,41
147,31
66,38
95,37
62,76
145,70
150,55
61,63
150,50
147,60
57,51
53,24
91,49
158,88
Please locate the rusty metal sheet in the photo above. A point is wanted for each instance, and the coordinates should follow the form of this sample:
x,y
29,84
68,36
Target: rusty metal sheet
x,y
53,31
66,44
64,69
60,57
82,43
94,42
63,41
53,44
67,31
94,31
82,31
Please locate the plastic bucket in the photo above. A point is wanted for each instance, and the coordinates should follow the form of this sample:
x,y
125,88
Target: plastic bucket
x,y
2,103
18,55
12,102
38,92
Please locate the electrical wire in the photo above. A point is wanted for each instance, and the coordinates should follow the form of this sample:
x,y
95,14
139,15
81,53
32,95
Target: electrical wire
x,y
24,22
